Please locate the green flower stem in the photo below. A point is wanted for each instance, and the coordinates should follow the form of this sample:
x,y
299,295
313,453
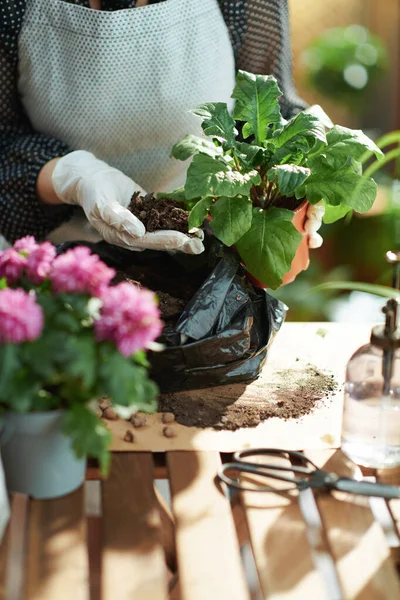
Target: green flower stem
x,y
378,164
369,288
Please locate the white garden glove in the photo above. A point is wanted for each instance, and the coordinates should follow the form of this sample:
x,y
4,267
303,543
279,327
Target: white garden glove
x,y
313,222
105,193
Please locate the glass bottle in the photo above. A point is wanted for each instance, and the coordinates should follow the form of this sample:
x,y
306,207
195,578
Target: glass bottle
x,y
371,414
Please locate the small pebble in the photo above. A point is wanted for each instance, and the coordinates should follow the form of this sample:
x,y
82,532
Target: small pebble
x,y
110,414
138,420
224,419
104,403
129,437
169,432
168,417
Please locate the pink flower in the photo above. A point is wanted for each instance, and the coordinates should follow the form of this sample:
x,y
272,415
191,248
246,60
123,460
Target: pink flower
x,y
129,317
12,265
21,318
80,271
39,262
26,244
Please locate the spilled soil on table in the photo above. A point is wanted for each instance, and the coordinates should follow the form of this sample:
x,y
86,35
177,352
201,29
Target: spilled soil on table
x,y
291,394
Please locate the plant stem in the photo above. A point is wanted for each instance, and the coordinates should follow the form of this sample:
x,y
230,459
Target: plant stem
x,y
235,158
375,166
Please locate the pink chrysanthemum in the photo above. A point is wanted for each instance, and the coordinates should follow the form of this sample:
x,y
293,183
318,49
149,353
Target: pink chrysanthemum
x,y
129,317
21,319
12,265
26,244
39,262
79,271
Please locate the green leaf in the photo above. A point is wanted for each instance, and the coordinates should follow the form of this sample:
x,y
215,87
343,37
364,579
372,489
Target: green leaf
x,y
124,382
268,248
9,362
84,362
288,177
89,436
199,212
305,124
257,103
231,219
340,186
334,213
251,154
46,354
317,111
3,283
178,195
216,120
369,288
209,177
344,142
141,359
192,144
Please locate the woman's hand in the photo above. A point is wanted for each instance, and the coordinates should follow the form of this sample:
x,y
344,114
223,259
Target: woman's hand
x,y
105,193
315,212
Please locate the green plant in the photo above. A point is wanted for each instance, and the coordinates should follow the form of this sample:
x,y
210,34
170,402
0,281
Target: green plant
x,y
68,338
249,183
344,64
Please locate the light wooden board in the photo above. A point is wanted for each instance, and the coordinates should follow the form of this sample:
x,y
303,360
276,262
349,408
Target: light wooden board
x,y
209,564
13,550
57,557
280,546
328,346
356,539
133,564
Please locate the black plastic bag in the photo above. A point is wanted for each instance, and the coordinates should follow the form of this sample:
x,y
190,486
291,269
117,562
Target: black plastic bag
x,y
224,331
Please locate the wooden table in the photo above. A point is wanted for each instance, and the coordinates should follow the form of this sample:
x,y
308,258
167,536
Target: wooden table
x,y
137,551
117,539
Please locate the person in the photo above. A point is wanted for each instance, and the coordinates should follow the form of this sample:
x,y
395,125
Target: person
x,y
92,101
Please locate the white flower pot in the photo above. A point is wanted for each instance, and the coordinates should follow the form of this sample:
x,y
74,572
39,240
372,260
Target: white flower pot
x,y
38,458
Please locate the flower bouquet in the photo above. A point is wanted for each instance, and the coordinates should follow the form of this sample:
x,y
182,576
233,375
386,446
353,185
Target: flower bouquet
x,y
67,338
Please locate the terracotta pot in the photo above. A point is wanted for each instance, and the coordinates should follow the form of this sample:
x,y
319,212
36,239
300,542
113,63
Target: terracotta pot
x,y
302,257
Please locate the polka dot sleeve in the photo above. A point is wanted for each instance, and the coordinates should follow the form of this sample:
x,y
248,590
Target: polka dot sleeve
x,y
23,152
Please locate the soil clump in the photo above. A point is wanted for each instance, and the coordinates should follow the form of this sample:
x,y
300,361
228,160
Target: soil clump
x,y
291,394
159,213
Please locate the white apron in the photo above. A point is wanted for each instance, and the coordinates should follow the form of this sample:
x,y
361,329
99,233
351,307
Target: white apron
x,y
120,84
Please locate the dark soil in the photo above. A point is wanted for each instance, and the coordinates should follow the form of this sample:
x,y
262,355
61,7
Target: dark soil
x,y
159,213
292,394
170,306
289,202
174,288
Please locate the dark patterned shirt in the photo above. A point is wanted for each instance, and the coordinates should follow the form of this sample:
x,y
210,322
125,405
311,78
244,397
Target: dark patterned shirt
x,y
259,32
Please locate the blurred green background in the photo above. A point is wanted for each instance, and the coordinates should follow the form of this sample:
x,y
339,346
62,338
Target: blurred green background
x,y
347,59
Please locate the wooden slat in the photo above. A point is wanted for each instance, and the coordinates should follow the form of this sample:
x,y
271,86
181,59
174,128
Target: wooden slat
x,y
57,557
209,564
167,532
3,562
133,564
356,539
280,546
13,550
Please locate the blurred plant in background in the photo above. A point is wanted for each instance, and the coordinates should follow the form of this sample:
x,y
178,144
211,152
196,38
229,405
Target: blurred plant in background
x,y
344,64
354,249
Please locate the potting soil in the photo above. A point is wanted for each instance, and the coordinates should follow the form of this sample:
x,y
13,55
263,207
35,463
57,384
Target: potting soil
x,y
159,213
292,394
